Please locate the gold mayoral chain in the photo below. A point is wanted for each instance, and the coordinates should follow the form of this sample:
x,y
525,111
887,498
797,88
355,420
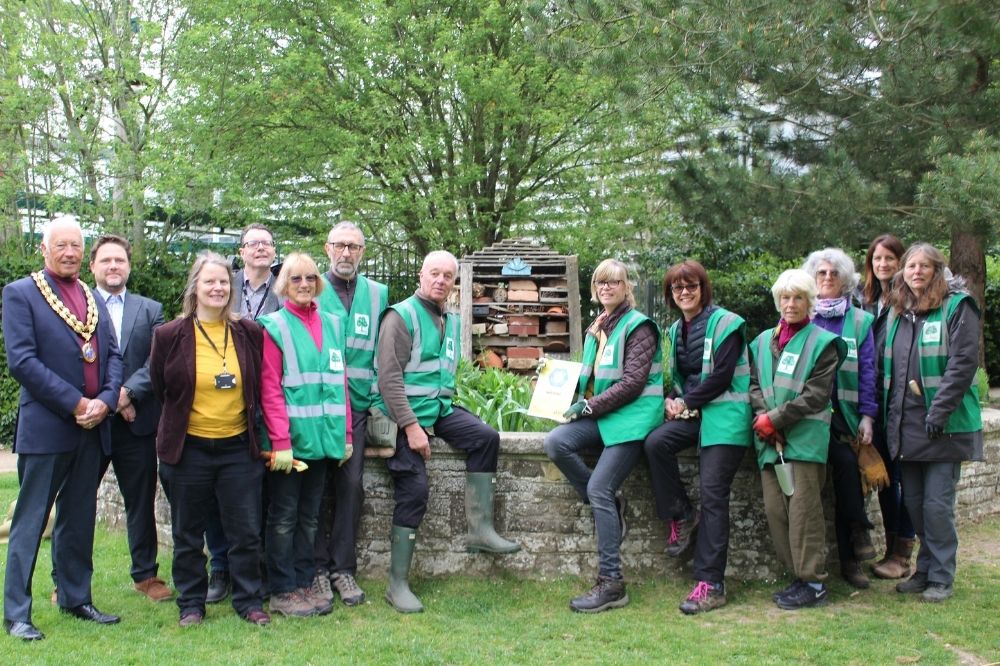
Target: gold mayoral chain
x,y
85,331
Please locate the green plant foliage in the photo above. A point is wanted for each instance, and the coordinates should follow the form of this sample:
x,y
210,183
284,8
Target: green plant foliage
x,y
498,397
744,287
991,324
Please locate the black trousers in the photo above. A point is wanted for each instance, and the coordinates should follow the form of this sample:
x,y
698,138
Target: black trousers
x,y
717,467
849,502
340,511
215,472
462,431
134,459
68,480
661,448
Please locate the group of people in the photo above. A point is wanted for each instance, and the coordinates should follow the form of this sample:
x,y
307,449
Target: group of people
x,y
847,376
254,404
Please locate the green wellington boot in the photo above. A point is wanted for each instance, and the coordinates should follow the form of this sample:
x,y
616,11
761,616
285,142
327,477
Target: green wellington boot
x,y
479,513
398,593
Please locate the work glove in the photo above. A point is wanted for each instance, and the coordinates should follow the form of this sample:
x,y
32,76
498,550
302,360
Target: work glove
x,y
282,461
764,428
348,452
576,410
933,429
874,475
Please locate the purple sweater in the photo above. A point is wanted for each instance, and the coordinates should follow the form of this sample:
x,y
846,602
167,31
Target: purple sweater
x,y
867,404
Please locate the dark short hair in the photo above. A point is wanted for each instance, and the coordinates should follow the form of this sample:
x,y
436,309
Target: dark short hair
x,y
686,272
114,239
251,227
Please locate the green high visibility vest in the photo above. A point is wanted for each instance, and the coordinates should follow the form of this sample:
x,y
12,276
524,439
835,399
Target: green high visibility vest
x,y
360,327
933,343
857,323
313,383
635,420
807,440
429,374
727,418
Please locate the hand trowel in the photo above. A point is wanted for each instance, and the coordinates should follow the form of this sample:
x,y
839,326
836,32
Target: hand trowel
x,y
783,470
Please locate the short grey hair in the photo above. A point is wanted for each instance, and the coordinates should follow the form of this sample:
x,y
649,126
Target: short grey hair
x,y
439,254
841,263
60,221
347,226
794,281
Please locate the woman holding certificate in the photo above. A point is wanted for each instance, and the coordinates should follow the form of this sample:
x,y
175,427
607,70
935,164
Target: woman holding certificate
x,y
709,402
620,400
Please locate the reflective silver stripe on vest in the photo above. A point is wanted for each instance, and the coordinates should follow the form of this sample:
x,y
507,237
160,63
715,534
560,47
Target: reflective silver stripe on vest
x,y
797,381
849,366
413,364
315,411
360,343
655,390
288,351
708,364
426,391
360,373
311,378
931,382
848,396
729,396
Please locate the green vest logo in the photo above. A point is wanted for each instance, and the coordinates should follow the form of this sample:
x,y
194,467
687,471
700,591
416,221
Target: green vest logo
x,y
707,354
608,357
361,323
336,361
786,365
852,347
931,334
449,349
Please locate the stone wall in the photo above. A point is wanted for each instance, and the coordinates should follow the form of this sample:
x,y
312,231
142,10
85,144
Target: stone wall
x,y
536,507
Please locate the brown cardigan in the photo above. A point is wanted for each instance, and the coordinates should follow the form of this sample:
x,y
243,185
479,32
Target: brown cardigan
x,y
171,369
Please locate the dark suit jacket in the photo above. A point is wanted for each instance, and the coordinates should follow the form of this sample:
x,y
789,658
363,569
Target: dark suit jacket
x,y
140,317
172,372
271,301
44,356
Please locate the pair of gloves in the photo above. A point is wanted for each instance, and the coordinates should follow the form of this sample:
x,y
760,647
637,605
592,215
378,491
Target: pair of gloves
x,y
576,410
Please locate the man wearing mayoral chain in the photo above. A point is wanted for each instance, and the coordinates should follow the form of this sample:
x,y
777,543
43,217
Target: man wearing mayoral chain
x,y
62,351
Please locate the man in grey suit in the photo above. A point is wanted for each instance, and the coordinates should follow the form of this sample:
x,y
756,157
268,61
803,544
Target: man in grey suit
x,y
133,430
61,349
253,297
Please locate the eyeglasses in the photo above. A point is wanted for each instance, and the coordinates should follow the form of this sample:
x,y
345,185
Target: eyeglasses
x,y
827,273
296,279
681,288
254,244
608,284
354,248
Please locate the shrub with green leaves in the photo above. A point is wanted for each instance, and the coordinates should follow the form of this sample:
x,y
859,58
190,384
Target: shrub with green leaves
x,y
498,397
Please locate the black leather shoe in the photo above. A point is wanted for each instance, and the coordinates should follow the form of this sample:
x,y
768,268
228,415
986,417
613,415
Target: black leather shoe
x,y
91,614
23,630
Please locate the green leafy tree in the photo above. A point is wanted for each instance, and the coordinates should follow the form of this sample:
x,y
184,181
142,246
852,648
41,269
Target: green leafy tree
x,y
434,124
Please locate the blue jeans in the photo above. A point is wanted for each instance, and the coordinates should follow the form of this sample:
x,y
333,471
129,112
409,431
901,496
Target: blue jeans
x,y
291,526
563,446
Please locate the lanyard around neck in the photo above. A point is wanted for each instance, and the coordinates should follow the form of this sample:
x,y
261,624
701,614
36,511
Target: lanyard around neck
x,y
225,341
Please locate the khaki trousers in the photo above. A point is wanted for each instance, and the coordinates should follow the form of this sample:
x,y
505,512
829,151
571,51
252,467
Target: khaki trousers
x,y
797,525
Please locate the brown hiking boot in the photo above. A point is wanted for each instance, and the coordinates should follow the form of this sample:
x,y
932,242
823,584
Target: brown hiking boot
x,y
292,604
154,588
852,573
899,564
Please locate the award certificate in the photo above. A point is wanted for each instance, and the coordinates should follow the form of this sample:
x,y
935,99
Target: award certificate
x,y
555,389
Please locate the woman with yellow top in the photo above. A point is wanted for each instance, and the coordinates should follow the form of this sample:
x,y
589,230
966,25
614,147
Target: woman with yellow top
x,y
205,370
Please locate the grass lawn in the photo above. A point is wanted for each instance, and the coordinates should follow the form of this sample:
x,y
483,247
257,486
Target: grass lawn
x,y
513,621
